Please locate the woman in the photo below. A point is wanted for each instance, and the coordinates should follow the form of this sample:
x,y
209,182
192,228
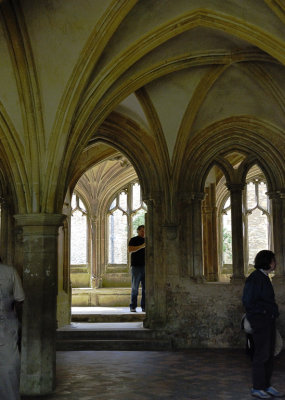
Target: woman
x,y
262,311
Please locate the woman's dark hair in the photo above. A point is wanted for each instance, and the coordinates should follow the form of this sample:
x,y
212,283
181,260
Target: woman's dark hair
x,y
263,258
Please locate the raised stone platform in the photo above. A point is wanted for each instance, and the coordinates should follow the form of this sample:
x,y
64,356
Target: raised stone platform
x,y
109,336
102,297
106,314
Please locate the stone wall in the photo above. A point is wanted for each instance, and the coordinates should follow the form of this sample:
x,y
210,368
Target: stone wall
x,y
209,315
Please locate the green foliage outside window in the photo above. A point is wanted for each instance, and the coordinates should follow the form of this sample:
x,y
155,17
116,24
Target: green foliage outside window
x,y
138,219
227,246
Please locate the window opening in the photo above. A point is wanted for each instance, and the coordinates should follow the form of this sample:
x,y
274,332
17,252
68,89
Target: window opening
x,y
227,233
257,223
79,229
257,219
126,213
227,259
118,234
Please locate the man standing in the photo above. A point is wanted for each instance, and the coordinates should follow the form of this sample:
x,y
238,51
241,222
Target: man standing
x,y
11,296
137,249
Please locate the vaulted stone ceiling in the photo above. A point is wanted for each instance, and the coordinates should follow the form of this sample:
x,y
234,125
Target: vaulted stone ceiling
x,y
102,181
75,74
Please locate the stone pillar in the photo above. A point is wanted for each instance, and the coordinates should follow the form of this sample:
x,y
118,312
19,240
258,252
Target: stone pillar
x,y
184,218
237,232
40,248
278,207
210,240
197,240
66,255
7,239
155,267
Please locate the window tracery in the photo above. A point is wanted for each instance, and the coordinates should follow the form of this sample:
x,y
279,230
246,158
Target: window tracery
x,y
257,222
126,212
79,232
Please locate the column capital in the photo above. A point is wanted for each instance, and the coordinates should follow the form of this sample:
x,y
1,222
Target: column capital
x,y
40,219
39,224
274,194
237,279
235,187
153,199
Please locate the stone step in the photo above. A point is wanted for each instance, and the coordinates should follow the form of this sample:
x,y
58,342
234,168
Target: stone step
x,y
109,336
89,331
106,314
102,297
113,344
129,317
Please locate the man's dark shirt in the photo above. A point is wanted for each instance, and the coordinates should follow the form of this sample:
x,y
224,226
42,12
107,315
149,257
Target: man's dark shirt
x,y
258,296
137,257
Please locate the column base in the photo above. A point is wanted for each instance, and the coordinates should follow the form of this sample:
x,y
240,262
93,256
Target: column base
x,y
237,280
199,279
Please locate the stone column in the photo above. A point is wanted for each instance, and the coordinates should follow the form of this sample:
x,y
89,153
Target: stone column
x,y
184,218
197,241
237,232
210,240
278,206
66,255
40,248
155,266
7,238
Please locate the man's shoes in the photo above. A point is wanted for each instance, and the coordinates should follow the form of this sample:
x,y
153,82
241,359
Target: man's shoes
x,y
273,392
260,394
133,310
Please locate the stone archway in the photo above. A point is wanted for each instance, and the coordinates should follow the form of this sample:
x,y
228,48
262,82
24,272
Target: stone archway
x,y
255,141
106,281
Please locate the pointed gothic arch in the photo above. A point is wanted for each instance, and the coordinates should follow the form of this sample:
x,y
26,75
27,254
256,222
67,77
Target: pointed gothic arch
x,y
256,141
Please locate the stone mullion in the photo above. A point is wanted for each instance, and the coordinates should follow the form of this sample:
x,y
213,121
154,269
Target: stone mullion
x,y
40,246
102,241
93,250
197,240
236,191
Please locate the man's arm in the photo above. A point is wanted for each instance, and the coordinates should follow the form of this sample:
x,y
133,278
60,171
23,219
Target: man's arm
x,y
133,249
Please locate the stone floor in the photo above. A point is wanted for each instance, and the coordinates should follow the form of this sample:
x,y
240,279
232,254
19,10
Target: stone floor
x,y
143,375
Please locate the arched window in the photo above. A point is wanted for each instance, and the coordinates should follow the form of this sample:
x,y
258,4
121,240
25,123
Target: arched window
x,y
227,258
256,222
126,213
257,219
79,232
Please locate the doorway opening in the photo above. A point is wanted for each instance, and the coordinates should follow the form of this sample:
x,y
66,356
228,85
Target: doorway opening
x,y
106,208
